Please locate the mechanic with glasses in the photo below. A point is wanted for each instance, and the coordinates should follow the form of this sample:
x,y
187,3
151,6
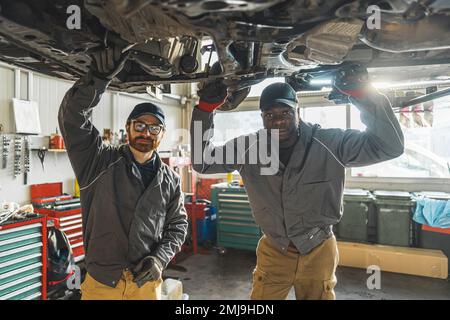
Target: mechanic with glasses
x,y
297,205
134,220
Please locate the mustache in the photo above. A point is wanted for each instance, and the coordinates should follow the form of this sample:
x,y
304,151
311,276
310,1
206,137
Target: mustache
x,y
144,139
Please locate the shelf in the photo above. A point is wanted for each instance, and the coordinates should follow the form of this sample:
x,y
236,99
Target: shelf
x,y
51,150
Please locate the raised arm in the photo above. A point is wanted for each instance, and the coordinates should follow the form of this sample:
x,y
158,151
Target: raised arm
x,y
86,151
205,156
383,138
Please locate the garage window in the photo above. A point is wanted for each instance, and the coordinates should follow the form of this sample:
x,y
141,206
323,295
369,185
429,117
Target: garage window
x,y
426,128
327,117
229,125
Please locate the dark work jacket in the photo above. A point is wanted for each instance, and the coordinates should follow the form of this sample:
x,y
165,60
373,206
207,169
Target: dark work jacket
x,y
122,220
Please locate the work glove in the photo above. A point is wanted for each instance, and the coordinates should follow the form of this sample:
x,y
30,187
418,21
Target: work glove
x,y
108,62
350,81
148,269
212,93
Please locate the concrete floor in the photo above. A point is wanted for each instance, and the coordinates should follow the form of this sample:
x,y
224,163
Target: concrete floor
x,y
228,277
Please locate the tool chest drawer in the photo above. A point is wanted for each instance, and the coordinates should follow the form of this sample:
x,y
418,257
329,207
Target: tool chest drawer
x,y
236,227
23,260
237,241
72,226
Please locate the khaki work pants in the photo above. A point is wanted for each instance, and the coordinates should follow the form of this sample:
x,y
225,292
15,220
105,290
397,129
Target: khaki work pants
x,y
312,275
126,289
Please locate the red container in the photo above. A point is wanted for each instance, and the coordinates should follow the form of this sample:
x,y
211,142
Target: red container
x,y
204,187
46,190
438,230
56,142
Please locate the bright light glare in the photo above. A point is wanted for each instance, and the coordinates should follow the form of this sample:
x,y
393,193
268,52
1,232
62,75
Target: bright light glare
x,y
257,89
320,82
385,85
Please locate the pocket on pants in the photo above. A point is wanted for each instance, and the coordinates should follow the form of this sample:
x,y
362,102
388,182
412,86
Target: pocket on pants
x,y
328,289
259,280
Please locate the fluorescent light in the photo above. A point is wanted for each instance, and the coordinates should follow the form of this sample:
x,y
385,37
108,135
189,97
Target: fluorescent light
x,y
385,85
320,82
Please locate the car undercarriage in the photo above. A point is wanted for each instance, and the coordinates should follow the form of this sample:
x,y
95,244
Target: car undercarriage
x,y
253,40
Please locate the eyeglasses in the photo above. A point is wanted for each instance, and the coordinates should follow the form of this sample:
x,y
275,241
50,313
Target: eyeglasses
x,y
285,115
140,127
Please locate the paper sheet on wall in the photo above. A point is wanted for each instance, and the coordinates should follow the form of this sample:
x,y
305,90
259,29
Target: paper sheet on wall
x,y
26,116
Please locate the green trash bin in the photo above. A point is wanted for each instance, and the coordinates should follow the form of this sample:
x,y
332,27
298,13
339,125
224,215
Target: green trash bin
x,y
358,221
394,218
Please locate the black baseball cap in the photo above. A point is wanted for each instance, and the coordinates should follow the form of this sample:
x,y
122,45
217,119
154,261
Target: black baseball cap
x,y
278,93
148,108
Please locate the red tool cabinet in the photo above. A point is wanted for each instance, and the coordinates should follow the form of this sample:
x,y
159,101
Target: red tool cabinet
x,y
69,221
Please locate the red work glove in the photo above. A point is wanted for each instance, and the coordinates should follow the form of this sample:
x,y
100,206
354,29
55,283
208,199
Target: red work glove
x,y
352,80
212,95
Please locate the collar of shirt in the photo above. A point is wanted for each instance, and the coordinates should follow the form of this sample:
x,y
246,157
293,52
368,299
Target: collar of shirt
x,y
148,163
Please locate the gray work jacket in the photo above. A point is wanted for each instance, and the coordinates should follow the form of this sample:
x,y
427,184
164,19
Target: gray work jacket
x,y
301,201
122,220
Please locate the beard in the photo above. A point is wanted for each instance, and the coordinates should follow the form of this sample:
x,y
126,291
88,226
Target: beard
x,y
144,145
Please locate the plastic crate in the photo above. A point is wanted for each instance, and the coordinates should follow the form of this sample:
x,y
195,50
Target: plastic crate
x,y
435,238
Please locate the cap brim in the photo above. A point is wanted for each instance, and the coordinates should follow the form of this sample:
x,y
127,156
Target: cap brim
x,y
285,102
161,120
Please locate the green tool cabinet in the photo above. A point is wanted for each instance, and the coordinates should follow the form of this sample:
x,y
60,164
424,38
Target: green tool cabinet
x,y
236,227
22,260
